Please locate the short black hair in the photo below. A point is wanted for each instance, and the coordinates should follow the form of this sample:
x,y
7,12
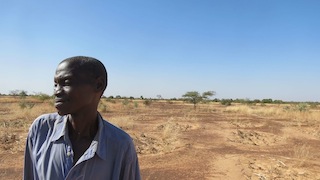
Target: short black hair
x,y
92,66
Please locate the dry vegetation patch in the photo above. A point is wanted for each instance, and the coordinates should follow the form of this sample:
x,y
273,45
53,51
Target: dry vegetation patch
x,y
176,141
163,139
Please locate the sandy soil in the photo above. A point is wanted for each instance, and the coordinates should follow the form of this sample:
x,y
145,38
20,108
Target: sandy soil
x,y
174,141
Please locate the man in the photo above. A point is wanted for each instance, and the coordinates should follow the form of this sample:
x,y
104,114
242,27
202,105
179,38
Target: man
x,y
76,143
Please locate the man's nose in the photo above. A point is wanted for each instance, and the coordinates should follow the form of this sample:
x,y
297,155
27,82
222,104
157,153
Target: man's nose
x,y
57,89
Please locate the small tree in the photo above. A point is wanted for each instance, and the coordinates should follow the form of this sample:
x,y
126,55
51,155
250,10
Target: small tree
x,y
21,93
195,97
206,95
159,96
226,102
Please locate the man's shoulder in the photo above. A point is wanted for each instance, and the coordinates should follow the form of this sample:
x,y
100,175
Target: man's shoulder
x,y
114,132
46,121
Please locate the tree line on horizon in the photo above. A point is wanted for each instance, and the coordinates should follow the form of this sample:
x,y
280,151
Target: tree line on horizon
x,y
193,97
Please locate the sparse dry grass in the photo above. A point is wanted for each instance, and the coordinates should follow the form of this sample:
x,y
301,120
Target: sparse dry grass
x,y
278,112
123,122
15,121
302,152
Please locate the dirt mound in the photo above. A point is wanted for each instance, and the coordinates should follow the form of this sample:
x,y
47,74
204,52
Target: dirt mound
x,y
164,139
255,138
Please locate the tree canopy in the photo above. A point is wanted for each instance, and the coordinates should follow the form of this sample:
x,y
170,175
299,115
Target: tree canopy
x,y
195,97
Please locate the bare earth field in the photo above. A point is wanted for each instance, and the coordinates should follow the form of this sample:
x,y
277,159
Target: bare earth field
x,y
176,141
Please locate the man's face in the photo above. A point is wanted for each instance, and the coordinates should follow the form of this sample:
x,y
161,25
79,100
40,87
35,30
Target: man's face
x,y
73,90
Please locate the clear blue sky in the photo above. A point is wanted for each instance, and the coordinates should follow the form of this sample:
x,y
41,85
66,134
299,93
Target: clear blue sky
x,y
252,49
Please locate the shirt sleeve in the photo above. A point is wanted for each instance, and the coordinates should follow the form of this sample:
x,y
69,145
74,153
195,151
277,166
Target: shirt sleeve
x,y
29,168
130,169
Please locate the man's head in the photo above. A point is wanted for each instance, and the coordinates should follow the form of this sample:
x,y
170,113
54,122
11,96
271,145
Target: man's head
x,y
79,83
91,67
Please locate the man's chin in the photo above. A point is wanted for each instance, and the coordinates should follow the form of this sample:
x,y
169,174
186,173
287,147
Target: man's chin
x,y
62,113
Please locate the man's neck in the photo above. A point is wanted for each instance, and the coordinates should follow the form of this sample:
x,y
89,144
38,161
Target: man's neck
x,y
83,125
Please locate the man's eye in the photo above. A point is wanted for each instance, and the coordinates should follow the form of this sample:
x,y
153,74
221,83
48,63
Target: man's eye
x,y
67,83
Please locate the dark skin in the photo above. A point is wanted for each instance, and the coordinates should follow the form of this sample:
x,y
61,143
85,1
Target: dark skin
x,y
77,96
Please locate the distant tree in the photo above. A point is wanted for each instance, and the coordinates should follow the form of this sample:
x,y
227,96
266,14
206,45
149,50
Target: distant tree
x,y
195,97
14,92
159,96
118,97
20,93
256,101
23,93
206,95
141,97
216,100
266,101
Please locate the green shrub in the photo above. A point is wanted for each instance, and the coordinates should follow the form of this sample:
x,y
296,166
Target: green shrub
x,y
147,102
267,101
125,102
226,102
302,107
43,97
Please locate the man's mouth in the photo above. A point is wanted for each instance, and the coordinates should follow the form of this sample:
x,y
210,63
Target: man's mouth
x,y
59,101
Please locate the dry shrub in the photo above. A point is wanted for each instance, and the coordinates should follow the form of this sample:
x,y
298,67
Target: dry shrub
x,y
8,138
169,131
279,112
11,142
102,107
302,152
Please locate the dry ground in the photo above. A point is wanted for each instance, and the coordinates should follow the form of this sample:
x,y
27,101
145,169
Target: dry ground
x,y
174,141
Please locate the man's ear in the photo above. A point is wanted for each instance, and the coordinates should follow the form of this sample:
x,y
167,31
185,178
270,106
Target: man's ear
x,y
99,84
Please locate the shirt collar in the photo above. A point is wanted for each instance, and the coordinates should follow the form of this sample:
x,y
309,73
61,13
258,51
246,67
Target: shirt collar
x,y
99,139
59,129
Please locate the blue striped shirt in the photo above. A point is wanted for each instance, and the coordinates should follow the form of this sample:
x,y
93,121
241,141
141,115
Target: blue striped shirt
x,y
49,153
